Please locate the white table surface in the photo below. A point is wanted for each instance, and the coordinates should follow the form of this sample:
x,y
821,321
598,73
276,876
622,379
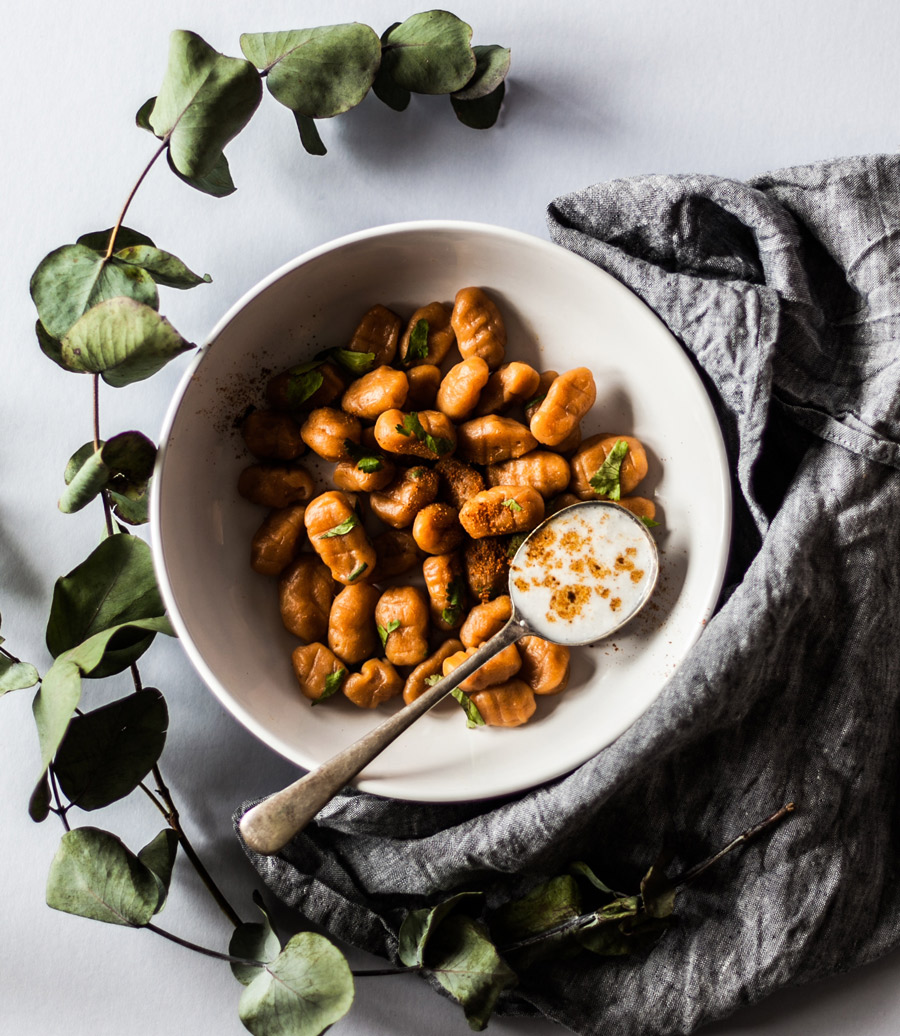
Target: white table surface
x,y
606,90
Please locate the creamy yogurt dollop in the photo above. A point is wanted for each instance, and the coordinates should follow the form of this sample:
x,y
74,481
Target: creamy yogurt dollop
x,y
584,572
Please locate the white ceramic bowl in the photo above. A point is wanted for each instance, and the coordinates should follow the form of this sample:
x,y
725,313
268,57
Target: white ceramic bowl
x,y
561,312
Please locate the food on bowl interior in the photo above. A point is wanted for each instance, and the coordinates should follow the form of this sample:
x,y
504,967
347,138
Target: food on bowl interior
x,y
445,457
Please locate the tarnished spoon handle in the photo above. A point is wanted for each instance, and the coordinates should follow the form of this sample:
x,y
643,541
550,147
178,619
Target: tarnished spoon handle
x,y
271,824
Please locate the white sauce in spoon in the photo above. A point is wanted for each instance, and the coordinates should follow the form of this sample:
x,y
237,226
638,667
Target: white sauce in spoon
x,y
584,572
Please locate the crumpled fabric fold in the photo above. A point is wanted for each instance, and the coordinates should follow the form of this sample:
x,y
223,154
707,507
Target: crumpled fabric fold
x,y
784,290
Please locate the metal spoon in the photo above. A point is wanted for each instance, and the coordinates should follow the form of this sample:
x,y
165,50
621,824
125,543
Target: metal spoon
x,y
613,547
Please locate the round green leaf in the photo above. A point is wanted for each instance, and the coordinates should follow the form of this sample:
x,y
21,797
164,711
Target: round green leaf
x,y
94,875
309,135
125,237
304,990
16,676
418,926
491,67
114,585
318,72
158,856
122,340
253,940
217,182
205,100
72,279
131,502
125,461
50,346
106,753
481,113
429,53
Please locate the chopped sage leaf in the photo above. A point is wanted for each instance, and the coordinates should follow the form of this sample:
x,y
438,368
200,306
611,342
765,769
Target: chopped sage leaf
x,y
455,591
515,542
365,460
649,522
305,379
385,631
513,505
340,530
430,681
351,360
411,425
473,716
535,401
606,480
357,572
333,683
418,343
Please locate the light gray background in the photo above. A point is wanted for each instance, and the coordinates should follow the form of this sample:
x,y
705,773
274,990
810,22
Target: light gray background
x,y
605,90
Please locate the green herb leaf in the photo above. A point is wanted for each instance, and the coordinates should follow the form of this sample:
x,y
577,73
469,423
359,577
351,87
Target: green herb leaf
x,y
304,380
419,925
340,530
253,940
106,753
491,68
317,73
418,343
482,113
130,500
581,869
411,425
606,481
365,460
357,572
158,856
93,875
535,401
125,238
205,100
163,267
456,592
385,631
473,716
303,991
356,362
429,53
73,279
515,541
122,340
116,584
16,676
657,892
430,681
513,505
217,182
649,522
545,907
309,135
333,683
50,346
129,456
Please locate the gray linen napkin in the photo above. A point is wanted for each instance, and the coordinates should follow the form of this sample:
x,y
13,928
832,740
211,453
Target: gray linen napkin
x,y
785,292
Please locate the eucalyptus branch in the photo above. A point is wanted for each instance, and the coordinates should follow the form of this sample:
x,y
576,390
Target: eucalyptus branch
x,y
203,949
60,810
110,248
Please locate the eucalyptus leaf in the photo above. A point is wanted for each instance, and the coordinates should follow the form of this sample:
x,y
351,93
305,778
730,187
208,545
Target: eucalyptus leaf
x,y
418,926
318,72
60,690
106,753
309,135
115,584
129,455
581,869
158,856
389,92
122,340
93,875
253,940
131,501
142,115
491,68
465,962
39,802
205,100
125,238
429,53
16,676
162,266
544,907
71,280
305,989
217,182
481,113
657,892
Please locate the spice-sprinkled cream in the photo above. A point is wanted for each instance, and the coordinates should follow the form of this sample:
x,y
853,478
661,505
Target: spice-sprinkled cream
x,y
584,572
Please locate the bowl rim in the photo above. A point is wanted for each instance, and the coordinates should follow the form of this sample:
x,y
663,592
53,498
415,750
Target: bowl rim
x,y
211,681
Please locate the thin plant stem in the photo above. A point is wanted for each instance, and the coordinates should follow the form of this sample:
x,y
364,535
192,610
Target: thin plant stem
x,y
60,810
159,805
203,949
174,821
386,971
110,248
95,410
